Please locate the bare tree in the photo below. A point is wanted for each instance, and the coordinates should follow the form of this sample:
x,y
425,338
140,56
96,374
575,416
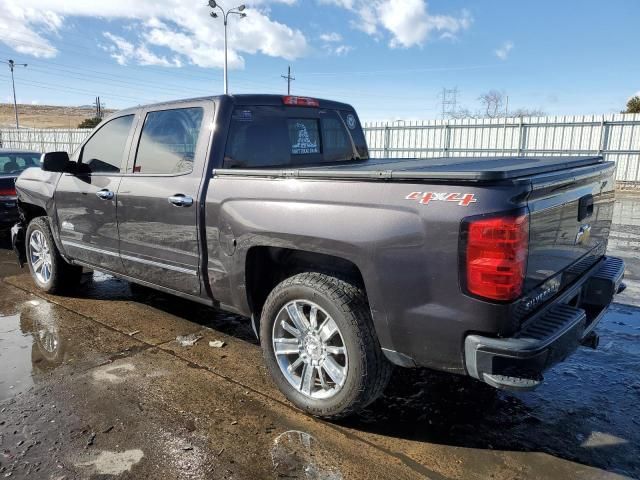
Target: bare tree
x,y
492,103
527,112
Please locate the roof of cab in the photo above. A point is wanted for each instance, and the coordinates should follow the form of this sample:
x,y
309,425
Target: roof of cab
x,y
241,99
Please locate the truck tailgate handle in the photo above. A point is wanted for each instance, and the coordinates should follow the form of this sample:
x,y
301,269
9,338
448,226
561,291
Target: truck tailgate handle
x,y
585,207
180,200
105,194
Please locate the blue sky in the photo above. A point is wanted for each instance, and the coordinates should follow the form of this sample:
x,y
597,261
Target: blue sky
x,y
390,59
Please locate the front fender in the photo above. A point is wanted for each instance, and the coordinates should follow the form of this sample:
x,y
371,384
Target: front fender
x,y
36,187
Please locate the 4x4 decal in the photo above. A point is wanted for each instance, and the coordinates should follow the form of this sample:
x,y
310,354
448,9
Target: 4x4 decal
x,y
462,199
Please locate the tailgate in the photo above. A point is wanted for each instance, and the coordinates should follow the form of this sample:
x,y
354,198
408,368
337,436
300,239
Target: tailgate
x,y
569,223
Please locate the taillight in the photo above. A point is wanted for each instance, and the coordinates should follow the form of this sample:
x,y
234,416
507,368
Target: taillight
x,y
8,192
496,256
300,101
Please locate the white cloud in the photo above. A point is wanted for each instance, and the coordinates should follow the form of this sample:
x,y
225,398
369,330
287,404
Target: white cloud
x,y
169,32
125,52
503,52
342,50
331,37
408,21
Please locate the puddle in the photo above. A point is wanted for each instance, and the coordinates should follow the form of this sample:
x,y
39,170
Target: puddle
x,y
30,344
298,455
114,373
15,358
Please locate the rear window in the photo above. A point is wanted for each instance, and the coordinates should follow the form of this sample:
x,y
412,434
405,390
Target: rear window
x,y
266,136
17,162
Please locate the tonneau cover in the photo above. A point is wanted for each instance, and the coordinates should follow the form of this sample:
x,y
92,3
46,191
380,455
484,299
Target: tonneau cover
x,y
478,169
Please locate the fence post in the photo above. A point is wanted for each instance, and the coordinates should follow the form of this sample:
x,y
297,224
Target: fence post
x,y
387,139
604,136
446,134
520,137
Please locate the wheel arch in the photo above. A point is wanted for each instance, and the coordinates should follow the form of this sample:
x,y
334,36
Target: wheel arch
x,y
267,266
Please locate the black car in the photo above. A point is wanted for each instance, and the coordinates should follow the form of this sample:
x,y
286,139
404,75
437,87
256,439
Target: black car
x,y
12,163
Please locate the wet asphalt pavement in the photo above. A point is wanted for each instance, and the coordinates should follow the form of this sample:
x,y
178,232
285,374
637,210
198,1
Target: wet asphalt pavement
x,y
96,386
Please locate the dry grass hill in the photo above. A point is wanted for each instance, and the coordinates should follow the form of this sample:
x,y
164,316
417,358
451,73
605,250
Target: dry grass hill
x,y
46,116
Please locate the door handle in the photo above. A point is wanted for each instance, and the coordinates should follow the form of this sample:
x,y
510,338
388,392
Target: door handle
x,y
180,200
105,194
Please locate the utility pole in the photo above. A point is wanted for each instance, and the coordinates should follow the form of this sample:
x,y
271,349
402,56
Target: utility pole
x,y
449,102
288,78
225,15
12,65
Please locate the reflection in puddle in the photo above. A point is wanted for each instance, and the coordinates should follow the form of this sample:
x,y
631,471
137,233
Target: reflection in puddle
x,y
15,351
30,344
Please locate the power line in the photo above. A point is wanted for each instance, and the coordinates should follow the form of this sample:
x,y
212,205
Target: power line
x,y
288,78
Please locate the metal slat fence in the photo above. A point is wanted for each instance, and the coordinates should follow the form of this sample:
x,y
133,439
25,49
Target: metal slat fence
x,y
43,139
615,136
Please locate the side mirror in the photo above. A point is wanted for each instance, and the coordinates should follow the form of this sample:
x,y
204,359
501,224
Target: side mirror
x,y
57,162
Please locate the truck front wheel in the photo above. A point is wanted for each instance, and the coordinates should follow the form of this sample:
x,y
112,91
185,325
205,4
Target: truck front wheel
x,y
50,272
320,346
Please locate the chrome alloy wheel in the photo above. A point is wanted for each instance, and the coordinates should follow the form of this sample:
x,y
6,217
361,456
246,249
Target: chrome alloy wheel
x,y
310,349
40,256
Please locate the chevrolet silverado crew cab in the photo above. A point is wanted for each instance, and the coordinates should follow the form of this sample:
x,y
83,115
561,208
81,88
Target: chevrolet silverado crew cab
x,y
270,207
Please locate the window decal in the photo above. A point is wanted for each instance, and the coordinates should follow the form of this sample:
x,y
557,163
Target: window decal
x,y
304,137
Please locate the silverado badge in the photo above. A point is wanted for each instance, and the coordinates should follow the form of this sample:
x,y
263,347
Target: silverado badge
x,y
462,199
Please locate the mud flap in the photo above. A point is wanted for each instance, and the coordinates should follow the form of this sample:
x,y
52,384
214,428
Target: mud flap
x,y
17,242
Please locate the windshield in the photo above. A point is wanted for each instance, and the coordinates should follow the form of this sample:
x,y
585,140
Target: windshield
x,y
14,163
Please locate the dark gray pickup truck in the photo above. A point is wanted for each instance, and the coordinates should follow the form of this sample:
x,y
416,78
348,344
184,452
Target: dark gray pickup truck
x,y
270,207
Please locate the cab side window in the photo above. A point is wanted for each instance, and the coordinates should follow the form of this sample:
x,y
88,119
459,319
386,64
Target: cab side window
x,y
168,141
104,150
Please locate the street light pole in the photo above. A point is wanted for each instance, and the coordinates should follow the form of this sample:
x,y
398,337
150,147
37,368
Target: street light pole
x,y
12,65
226,72
225,15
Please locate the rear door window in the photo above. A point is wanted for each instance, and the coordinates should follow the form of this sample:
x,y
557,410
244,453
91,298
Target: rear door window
x,y
270,136
168,141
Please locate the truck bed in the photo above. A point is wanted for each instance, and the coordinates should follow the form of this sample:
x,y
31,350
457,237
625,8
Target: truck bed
x,y
471,169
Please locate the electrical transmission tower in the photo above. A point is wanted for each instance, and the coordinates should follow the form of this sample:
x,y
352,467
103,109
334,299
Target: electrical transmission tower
x,y
288,78
99,106
449,102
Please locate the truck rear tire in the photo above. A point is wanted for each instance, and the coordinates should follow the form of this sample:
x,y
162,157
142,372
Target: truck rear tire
x,y
320,346
50,272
